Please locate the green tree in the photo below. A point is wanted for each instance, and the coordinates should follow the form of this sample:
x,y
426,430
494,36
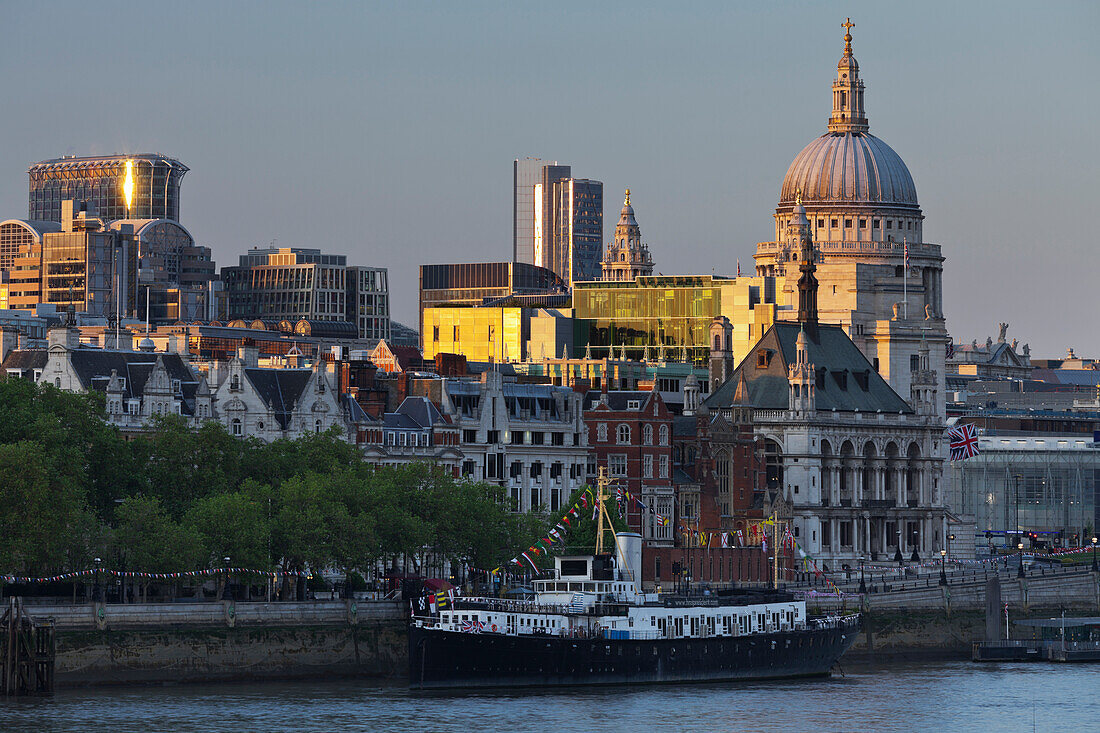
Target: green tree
x,y
147,539
43,517
233,525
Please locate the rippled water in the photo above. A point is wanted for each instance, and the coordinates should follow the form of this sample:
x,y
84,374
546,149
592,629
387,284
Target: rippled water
x,y
941,696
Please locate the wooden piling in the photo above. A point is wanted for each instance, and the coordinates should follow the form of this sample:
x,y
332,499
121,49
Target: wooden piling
x,y
27,650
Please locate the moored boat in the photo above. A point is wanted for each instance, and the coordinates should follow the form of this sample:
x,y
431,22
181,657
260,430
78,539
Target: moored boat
x,y
590,622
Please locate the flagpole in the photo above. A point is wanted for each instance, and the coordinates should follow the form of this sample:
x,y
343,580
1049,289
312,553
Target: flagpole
x,y
905,277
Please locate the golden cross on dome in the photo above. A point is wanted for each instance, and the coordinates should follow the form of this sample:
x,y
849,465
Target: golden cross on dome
x,y
627,202
847,25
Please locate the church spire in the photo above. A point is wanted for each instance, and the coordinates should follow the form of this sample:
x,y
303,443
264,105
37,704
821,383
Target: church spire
x,y
848,114
627,258
807,283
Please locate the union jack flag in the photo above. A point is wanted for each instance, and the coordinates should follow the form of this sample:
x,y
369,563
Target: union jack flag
x,y
906,246
471,627
964,442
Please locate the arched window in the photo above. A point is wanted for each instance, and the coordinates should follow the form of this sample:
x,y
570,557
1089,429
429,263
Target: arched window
x,y
317,426
601,432
57,382
237,428
647,435
622,434
664,435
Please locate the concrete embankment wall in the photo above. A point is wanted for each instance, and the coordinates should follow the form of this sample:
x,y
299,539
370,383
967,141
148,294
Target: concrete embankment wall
x,y
940,621
148,643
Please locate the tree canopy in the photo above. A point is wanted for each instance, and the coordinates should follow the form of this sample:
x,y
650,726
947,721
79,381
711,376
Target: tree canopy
x,y
174,499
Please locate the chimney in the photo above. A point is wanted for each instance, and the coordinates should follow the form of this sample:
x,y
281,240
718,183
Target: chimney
x,y
67,215
249,353
63,336
9,341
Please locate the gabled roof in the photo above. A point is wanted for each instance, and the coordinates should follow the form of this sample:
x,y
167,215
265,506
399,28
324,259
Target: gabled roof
x,y
407,357
93,368
848,382
419,411
281,389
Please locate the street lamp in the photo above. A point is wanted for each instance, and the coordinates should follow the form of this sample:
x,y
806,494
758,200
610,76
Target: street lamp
x,y
225,591
862,582
1017,527
97,591
1094,566
943,567
1020,547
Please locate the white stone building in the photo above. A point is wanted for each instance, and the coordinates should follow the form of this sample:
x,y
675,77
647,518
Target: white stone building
x,y
528,438
861,468
272,403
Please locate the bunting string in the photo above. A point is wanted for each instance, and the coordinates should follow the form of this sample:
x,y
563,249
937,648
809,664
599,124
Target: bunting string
x,y
127,574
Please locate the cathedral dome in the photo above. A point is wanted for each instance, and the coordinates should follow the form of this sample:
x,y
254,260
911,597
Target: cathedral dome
x,y
849,167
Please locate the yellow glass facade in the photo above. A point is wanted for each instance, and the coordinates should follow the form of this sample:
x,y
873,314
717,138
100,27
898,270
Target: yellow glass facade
x,y
673,312
479,334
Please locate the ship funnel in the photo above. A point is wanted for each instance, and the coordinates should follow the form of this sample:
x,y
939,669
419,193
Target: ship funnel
x,y
630,557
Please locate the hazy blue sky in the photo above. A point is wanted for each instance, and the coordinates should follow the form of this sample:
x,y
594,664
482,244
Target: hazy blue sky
x,y
387,131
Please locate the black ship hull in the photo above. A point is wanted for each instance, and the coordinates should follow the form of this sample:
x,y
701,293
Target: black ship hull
x,y
450,659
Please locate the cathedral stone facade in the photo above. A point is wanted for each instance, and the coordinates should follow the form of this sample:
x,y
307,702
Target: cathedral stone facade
x,y
860,466
879,279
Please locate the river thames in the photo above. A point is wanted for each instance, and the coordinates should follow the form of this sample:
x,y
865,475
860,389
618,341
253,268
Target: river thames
x,y
947,696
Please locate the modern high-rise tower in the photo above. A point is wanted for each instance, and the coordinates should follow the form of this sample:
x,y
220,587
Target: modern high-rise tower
x,y
557,220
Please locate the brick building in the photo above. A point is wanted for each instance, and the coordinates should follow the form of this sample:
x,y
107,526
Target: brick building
x,y
630,432
719,479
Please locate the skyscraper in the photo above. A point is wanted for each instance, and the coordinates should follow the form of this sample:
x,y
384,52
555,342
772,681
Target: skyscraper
x,y
557,220
574,251
142,186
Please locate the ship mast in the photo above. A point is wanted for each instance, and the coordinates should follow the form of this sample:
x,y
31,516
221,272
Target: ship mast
x,y
775,549
603,481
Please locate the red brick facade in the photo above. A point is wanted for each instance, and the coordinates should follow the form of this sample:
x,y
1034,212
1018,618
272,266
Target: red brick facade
x,y
630,433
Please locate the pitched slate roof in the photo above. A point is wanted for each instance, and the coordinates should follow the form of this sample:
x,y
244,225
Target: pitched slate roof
x,y
279,388
421,411
684,425
25,359
93,368
617,399
848,382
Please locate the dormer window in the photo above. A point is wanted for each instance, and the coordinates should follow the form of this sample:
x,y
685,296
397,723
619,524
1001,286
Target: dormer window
x,y
633,404
122,383
763,359
176,388
841,378
235,382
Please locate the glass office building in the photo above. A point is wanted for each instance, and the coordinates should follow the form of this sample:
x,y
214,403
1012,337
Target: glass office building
x,y
671,315
1028,483
101,182
476,283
